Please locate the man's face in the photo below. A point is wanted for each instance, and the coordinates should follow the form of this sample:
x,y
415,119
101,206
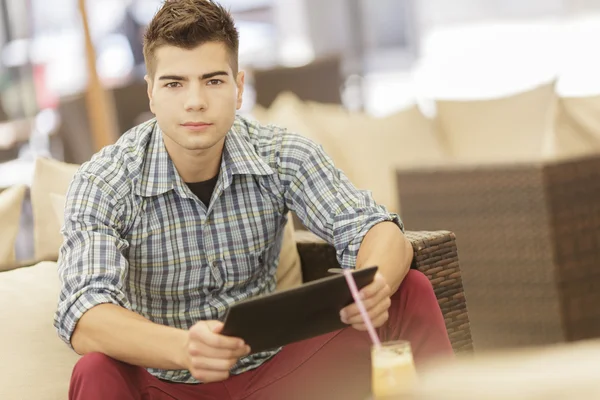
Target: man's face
x,y
194,95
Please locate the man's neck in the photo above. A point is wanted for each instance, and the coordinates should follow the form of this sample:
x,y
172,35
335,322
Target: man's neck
x,y
196,166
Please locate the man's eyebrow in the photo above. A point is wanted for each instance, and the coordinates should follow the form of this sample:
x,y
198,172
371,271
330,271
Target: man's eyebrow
x,y
203,77
172,78
213,74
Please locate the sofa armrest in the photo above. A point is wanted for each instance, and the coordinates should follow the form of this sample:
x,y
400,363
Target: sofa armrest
x,y
24,263
435,255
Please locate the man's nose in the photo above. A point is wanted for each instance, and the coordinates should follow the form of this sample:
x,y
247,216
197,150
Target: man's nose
x,y
196,100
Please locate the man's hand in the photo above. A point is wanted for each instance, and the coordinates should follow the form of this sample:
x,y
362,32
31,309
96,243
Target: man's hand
x,y
210,355
376,298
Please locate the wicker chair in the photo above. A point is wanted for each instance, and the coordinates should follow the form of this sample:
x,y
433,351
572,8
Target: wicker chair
x,y
529,238
435,256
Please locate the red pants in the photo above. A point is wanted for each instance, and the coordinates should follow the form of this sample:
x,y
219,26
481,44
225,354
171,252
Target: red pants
x,y
332,366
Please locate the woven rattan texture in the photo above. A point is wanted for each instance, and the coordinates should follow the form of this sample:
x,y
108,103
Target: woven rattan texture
x,y
435,256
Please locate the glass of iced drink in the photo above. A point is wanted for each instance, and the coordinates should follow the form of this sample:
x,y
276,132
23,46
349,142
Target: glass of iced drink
x,y
393,370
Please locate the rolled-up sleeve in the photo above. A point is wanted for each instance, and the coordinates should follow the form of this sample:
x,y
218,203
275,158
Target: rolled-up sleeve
x,y
91,266
325,200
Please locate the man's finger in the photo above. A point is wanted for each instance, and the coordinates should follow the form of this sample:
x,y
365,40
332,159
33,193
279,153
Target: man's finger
x,y
377,322
352,311
197,348
381,319
208,376
374,288
203,333
374,312
213,364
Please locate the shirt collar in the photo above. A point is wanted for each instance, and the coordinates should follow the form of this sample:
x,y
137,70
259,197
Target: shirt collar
x,y
157,174
239,158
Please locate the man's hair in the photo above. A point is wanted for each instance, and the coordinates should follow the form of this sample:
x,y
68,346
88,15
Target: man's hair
x,y
188,24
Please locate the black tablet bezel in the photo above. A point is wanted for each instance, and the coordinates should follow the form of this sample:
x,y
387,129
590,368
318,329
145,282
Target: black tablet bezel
x,y
274,320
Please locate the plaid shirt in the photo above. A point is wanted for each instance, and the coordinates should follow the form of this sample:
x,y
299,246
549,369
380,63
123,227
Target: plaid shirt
x,y
136,236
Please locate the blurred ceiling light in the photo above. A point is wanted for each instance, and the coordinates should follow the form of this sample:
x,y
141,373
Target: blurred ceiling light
x,y
254,36
47,48
115,58
296,52
65,76
16,53
47,121
105,16
257,41
488,60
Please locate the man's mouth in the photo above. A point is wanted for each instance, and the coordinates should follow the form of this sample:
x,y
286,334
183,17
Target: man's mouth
x,y
196,124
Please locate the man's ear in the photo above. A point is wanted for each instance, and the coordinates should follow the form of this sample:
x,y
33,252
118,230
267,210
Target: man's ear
x,y
150,84
239,82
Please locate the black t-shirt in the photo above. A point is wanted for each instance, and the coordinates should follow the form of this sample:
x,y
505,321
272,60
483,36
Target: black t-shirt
x,y
203,190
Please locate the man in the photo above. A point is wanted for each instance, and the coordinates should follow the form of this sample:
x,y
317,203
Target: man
x,y
183,217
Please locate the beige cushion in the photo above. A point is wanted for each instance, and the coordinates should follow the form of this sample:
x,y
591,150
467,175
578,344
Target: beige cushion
x,y
331,126
289,112
577,127
289,271
11,202
560,372
379,146
259,113
583,111
36,364
499,130
50,176
58,207
367,149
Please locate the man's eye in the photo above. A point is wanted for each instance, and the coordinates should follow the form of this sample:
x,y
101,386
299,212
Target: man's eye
x,y
215,82
172,84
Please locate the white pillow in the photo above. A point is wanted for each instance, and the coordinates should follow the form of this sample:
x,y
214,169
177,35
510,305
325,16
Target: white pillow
x,y
288,111
11,202
377,147
584,112
58,207
367,149
36,364
508,129
577,127
50,176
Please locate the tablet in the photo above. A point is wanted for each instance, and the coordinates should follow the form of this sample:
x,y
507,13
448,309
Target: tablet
x,y
312,309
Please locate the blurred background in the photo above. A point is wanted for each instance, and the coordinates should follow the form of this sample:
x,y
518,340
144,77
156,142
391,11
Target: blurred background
x,y
373,55
405,95
479,117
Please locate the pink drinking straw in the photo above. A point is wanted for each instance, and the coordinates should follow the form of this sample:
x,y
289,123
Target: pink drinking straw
x,y
361,307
